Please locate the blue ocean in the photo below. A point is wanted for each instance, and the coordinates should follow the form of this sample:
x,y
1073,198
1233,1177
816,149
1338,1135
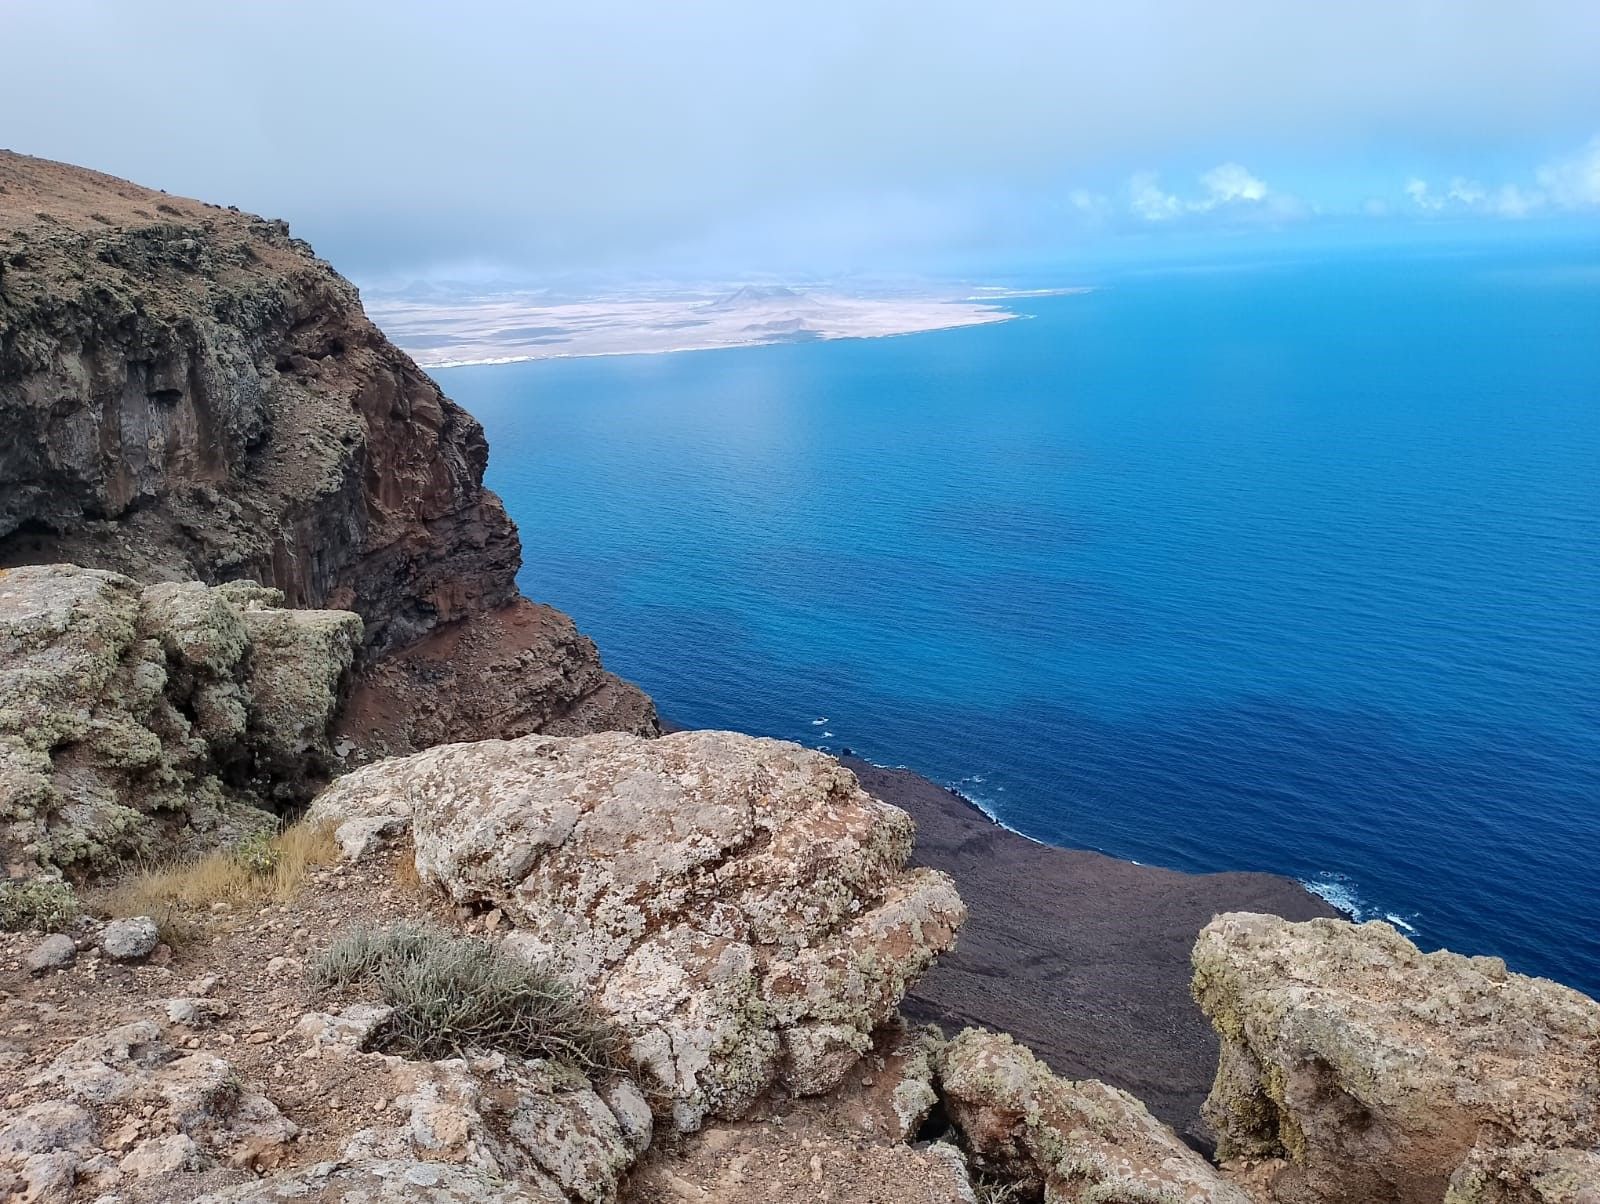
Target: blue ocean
x,y
1289,566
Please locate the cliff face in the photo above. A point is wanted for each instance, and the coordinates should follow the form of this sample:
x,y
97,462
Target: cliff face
x,y
189,393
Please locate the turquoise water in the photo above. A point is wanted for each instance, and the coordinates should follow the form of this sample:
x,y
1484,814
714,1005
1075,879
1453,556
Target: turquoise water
x,y
1286,567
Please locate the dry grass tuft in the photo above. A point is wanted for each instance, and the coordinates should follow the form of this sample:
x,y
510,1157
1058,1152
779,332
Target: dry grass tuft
x,y
264,866
455,994
992,1190
405,870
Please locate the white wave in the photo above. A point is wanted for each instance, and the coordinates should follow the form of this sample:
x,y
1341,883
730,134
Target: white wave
x,y
827,733
1340,892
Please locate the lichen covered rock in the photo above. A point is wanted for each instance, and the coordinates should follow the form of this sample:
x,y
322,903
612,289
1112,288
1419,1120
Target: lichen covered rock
x,y
131,713
1377,1072
393,1181
1071,1142
196,1095
740,907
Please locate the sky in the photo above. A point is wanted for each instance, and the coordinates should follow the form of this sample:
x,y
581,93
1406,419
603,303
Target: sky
x,y
639,136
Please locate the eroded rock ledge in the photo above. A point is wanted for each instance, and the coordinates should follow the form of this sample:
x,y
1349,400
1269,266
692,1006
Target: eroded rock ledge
x,y
189,393
1364,1069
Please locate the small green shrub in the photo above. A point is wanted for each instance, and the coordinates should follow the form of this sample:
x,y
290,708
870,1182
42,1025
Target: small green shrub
x,y
258,853
42,904
453,994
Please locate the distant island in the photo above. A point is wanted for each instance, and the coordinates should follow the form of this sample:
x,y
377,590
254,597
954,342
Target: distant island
x,y
444,329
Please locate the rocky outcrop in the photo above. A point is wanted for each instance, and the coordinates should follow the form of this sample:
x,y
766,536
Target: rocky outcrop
x,y
189,393
738,906
1376,1072
126,1106
135,718
1069,1142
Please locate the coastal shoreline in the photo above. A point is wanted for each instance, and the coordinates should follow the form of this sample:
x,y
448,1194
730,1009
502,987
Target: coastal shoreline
x,y
516,329
1082,956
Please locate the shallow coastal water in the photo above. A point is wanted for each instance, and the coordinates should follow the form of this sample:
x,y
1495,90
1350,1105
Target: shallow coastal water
x,y
1284,567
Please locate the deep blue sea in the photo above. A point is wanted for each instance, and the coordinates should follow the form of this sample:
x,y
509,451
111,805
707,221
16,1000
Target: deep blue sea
x,y
1289,567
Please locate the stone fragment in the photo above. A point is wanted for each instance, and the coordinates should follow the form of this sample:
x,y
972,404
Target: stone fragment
x,y
131,939
162,1156
354,1028
194,1012
52,953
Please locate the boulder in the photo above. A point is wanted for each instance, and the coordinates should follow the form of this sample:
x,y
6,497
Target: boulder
x,y
42,1149
739,906
132,718
1377,1072
1073,1142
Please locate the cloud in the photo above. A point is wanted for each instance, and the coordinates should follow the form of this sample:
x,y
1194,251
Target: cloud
x,y
1226,188
1574,182
1148,201
1229,183
1565,185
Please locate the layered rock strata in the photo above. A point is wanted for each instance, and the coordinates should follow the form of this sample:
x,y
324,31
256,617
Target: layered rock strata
x,y
740,907
1372,1071
135,718
189,393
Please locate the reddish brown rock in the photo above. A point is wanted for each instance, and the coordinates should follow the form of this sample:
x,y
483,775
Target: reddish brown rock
x,y
190,393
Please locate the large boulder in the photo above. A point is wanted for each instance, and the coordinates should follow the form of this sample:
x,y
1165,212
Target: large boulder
x,y
1377,1072
739,906
131,717
1071,1142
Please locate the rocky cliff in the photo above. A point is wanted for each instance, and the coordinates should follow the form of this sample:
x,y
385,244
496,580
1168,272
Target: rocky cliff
x,y
190,393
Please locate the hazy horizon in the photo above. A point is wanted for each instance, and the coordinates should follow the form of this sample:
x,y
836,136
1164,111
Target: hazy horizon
x,y
624,139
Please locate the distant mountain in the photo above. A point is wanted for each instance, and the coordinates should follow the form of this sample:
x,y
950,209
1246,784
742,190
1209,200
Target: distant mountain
x,y
764,297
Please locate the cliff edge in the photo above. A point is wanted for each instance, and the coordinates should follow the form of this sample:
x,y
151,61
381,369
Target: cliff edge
x,y
190,393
